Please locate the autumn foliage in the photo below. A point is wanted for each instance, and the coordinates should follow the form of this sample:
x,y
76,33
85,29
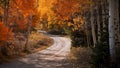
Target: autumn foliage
x,y
5,33
18,17
62,12
19,13
65,9
17,20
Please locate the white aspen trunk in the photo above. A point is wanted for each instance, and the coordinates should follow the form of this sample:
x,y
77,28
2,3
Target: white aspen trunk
x,y
93,27
98,24
117,22
111,29
103,14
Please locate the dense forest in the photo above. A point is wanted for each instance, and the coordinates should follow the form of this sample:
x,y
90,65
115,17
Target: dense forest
x,y
90,24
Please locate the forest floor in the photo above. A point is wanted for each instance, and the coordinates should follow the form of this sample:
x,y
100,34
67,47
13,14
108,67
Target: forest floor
x,y
79,57
51,57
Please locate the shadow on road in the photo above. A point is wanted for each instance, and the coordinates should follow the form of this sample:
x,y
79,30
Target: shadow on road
x,y
36,62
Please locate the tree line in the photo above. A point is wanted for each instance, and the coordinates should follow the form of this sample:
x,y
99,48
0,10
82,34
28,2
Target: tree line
x,y
90,23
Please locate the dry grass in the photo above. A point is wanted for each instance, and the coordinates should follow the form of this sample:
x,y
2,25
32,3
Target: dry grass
x,y
79,57
39,41
36,43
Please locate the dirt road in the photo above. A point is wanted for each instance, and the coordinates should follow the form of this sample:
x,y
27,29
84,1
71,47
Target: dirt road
x,y
52,57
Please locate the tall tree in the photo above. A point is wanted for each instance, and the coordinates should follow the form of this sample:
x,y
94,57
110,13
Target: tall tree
x,y
5,6
28,12
93,26
112,9
22,11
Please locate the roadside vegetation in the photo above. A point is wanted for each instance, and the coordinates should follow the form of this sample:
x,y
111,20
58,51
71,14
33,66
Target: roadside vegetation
x,y
80,57
37,42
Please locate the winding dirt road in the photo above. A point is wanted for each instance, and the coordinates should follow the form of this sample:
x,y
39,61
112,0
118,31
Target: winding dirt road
x,y
52,57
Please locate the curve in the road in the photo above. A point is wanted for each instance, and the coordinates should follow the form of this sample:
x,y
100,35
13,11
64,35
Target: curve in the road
x,y
52,57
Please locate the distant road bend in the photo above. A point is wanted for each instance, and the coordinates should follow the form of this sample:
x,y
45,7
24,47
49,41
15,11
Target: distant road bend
x,y
52,57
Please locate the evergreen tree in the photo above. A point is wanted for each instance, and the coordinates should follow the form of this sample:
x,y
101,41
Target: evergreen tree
x,y
100,56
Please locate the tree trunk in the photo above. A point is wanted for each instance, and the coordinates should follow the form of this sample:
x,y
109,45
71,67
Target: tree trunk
x,y
0,17
6,13
98,24
111,29
93,27
103,15
28,33
117,23
87,33
117,33
37,3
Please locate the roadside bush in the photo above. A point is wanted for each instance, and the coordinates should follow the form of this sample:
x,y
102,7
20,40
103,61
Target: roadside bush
x,y
57,32
100,56
5,33
78,38
6,36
